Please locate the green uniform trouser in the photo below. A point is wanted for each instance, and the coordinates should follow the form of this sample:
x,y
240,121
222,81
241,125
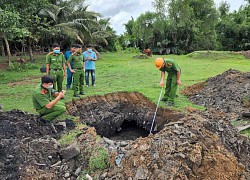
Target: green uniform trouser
x,y
51,113
58,79
171,88
78,80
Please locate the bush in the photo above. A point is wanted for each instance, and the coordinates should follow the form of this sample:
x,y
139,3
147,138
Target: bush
x,y
98,159
132,50
16,66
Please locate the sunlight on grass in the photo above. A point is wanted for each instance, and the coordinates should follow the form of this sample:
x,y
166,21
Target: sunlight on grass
x,y
121,72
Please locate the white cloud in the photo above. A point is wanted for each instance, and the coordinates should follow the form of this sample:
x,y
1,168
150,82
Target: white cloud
x,y
120,11
234,4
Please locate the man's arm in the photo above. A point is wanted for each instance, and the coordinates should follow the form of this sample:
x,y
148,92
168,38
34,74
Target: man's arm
x,y
63,65
47,69
179,78
64,69
71,70
54,101
162,78
95,57
47,64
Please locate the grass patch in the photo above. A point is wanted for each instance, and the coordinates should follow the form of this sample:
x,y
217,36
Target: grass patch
x,y
68,138
215,55
246,132
98,159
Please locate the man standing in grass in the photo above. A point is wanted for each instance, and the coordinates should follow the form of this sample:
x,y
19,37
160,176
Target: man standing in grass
x,y
90,58
173,79
69,73
46,101
55,66
77,61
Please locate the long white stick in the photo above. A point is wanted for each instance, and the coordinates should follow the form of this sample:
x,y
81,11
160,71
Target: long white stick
x,y
156,111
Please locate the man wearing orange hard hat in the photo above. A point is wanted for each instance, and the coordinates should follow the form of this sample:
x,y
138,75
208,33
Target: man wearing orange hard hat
x,y
173,79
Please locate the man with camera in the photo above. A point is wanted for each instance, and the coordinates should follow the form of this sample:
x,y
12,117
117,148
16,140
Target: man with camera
x,y
46,100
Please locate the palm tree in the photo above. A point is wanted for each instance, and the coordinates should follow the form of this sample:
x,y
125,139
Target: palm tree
x,y
70,18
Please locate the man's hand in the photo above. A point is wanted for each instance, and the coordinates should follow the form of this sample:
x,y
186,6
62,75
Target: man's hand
x,y
64,74
61,94
162,83
179,82
73,71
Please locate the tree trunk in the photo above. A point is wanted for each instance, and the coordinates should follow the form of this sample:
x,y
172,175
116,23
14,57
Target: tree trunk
x,y
7,48
30,50
2,48
97,54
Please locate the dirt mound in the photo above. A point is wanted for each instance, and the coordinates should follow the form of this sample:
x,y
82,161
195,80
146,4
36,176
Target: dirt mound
x,y
23,142
186,149
227,92
191,90
244,53
214,55
219,123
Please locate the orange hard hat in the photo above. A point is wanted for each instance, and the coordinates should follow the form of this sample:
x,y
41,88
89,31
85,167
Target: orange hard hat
x,y
159,62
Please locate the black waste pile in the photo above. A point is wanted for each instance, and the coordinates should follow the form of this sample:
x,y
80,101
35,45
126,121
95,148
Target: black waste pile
x,y
228,92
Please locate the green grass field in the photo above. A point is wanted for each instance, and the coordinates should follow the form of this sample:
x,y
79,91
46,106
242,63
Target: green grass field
x,y
122,72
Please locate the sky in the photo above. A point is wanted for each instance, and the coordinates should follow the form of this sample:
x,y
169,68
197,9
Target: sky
x,y
121,11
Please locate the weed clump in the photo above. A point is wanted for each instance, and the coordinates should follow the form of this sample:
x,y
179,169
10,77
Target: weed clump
x,y
98,159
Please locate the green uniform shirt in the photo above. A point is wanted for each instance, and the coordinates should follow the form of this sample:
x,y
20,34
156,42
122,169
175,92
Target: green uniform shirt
x,y
76,61
172,68
55,61
40,100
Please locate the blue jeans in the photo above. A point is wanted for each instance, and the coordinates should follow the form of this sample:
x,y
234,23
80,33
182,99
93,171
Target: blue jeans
x,y
92,71
69,78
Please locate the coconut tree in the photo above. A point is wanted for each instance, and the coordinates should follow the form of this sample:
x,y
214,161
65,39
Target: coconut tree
x,y
70,19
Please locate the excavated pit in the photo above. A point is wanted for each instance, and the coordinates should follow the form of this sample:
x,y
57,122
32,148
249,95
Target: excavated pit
x,y
121,115
199,145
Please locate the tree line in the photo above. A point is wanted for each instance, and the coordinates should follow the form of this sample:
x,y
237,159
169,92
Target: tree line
x,y
33,25
183,26
174,26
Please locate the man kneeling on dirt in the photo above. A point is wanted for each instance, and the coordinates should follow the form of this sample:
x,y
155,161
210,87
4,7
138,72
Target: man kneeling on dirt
x,y
46,100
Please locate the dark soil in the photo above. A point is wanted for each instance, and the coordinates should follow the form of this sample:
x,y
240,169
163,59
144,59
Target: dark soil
x,y
107,113
227,92
23,141
130,131
197,145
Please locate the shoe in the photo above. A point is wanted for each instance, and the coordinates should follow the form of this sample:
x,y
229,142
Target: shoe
x,y
94,85
87,85
70,124
170,103
82,93
76,95
43,121
164,99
